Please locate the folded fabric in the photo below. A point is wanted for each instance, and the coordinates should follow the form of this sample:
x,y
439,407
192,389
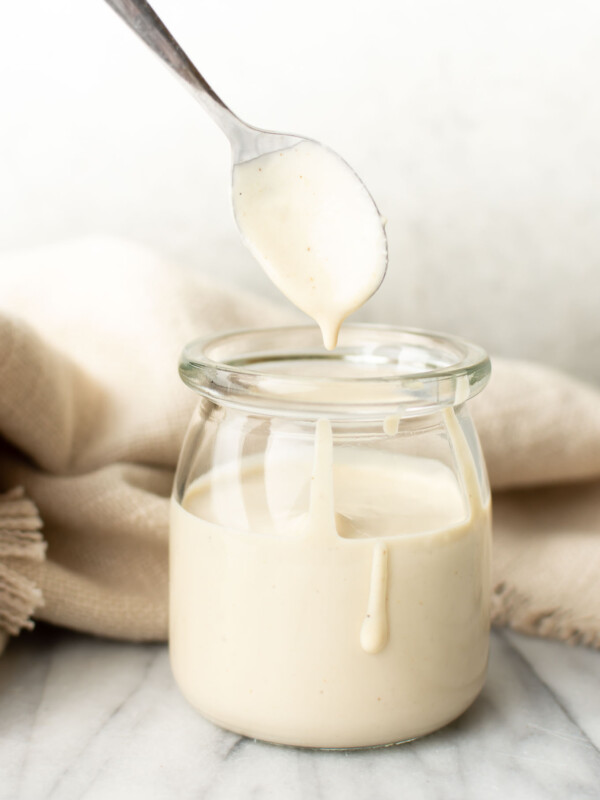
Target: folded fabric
x,y
92,416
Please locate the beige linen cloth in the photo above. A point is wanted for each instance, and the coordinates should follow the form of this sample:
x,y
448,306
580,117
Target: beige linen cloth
x,y
92,415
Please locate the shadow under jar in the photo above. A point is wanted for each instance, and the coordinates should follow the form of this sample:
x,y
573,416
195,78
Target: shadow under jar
x,y
330,535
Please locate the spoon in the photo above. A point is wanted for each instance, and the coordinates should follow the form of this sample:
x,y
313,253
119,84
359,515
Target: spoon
x,y
302,211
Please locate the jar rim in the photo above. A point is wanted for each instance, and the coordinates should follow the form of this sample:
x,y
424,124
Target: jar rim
x,y
376,370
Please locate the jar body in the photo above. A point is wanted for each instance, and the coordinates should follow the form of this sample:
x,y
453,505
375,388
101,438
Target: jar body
x,y
330,579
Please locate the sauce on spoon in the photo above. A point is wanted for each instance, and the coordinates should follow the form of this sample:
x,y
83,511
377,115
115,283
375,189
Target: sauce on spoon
x,y
314,228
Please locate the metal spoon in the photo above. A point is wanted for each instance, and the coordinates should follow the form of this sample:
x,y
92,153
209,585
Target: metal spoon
x,y
247,142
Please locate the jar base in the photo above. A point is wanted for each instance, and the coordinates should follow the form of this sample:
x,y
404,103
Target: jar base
x,y
338,748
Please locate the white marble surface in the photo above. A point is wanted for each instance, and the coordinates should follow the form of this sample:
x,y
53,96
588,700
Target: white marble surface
x,y
85,718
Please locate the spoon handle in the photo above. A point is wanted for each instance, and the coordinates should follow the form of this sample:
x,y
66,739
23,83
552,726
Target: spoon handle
x,y
144,21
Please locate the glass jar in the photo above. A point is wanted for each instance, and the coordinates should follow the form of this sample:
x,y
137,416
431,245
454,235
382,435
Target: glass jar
x,y
330,535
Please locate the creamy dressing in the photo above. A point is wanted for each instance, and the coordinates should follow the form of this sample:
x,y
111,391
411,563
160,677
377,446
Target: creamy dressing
x,y
310,222
391,424
374,630
329,627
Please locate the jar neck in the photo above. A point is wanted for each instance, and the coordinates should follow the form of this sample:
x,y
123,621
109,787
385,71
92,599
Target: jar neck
x,y
376,372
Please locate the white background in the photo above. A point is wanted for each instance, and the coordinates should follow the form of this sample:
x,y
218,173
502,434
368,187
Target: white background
x,y
476,126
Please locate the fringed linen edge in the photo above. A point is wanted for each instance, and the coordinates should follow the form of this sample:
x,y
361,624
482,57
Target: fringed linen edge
x,y
514,610
20,541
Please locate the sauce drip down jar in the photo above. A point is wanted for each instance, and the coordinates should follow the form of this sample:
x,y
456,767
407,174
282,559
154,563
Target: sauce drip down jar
x,y
330,535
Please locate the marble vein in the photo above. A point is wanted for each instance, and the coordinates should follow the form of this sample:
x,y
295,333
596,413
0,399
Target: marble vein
x,y
584,737
109,717
554,664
